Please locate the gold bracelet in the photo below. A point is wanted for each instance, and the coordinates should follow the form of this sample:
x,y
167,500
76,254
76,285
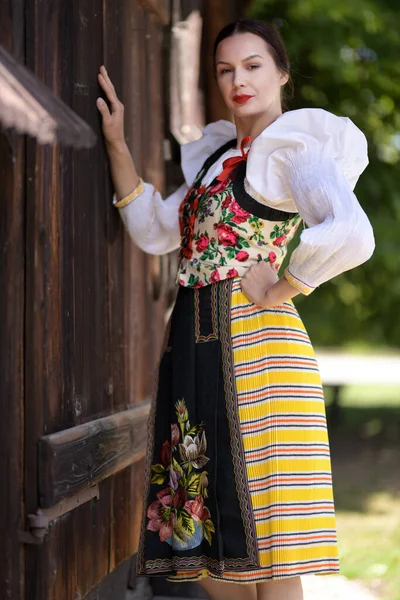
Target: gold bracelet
x,y
139,189
302,287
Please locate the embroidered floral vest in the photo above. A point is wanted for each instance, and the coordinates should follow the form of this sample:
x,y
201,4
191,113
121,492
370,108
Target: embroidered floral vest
x,y
224,231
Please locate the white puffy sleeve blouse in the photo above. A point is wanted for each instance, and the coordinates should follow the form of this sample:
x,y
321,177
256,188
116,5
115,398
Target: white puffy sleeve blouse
x,y
307,161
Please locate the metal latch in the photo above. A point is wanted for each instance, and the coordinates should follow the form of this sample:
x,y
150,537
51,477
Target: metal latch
x,y
38,523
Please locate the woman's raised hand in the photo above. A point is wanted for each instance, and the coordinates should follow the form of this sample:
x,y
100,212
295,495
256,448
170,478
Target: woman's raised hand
x,y
113,117
123,170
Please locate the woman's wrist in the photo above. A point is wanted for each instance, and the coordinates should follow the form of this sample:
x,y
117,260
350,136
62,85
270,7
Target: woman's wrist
x,y
117,148
123,171
279,293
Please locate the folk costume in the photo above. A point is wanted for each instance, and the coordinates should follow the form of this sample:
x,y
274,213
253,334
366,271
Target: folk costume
x,y
238,481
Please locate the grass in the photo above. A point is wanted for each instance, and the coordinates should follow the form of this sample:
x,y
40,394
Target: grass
x,y
369,546
366,474
368,395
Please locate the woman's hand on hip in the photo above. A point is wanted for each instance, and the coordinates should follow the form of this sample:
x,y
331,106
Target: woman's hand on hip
x,y
257,281
113,117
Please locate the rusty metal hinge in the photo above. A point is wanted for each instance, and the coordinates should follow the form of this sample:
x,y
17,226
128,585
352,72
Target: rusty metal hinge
x,y
38,523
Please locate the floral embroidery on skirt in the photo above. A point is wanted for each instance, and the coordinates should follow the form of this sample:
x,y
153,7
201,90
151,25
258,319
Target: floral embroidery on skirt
x,y
180,515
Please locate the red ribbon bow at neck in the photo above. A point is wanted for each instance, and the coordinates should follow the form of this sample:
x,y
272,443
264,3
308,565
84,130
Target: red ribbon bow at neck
x,y
230,164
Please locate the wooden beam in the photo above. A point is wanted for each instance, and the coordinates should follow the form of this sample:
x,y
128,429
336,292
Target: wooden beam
x,y
74,459
217,14
28,106
159,8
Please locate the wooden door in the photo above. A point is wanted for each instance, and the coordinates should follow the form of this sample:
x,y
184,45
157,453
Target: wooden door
x,y
85,307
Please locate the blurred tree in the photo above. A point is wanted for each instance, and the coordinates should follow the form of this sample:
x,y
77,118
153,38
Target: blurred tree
x,y
345,59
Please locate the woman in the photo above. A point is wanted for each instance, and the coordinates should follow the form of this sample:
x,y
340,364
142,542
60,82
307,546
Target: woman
x,y
238,484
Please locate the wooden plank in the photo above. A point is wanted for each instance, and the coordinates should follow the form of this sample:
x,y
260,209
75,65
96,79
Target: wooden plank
x,y
136,305
154,168
90,378
115,291
154,171
217,14
11,357
12,274
76,549
39,291
157,266
28,106
127,511
160,8
74,459
131,322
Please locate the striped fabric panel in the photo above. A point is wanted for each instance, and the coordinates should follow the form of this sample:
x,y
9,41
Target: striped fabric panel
x,y
283,425
282,570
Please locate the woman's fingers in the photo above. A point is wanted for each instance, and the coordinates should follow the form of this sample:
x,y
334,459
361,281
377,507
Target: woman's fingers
x,y
111,110
103,108
109,91
107,87
103,72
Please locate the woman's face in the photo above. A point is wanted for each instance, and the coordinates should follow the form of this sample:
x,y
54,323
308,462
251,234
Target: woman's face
x,y
247,76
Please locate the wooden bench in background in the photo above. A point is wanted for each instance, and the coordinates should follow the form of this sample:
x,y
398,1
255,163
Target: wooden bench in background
x,y
339,369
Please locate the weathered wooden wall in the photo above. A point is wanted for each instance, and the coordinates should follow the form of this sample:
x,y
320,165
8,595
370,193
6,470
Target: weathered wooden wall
x,y
82,307
81,323
12,265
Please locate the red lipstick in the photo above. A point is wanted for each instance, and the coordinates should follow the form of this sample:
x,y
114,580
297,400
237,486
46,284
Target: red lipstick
x,y
241,98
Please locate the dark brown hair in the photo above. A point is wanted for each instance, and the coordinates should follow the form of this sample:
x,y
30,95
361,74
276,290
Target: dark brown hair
x,y
273,40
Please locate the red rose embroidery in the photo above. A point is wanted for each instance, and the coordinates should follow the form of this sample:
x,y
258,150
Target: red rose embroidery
x,y
214,277
201,190
232,273
175,434
164,497
272,257
197,509
160,518
200,284
226,235
166,454
227,201
242,256
241,215
202,243
279,240
179,498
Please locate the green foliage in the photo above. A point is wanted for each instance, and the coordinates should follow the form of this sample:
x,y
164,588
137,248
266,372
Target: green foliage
x,y
345,59
158,474
185,523
209,529
192,485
